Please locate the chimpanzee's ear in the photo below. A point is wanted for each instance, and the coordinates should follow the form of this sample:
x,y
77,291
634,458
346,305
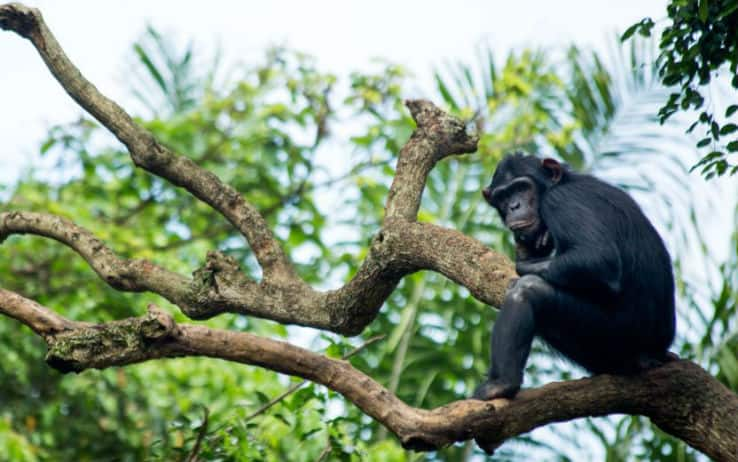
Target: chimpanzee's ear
x,y
552,168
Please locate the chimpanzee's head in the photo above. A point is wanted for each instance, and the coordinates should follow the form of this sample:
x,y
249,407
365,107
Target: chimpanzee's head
x,y
516,190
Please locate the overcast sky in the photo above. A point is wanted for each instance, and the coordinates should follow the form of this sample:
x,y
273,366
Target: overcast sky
x,y
343,36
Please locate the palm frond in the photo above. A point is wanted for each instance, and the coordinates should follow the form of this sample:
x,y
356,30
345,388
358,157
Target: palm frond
x,y
167,79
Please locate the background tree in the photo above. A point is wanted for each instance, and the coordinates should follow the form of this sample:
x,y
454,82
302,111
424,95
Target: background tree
x,y
698,43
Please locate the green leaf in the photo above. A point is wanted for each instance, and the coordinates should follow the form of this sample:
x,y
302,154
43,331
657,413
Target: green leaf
x,y
704,10
334,350
721,166
672,79
704,142
301,397
731,110
47,145
629,32
728,128
712,156
144,57
715,130
445,93
646,26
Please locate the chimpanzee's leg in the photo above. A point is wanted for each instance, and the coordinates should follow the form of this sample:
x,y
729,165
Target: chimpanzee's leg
x,y
512,336
599,338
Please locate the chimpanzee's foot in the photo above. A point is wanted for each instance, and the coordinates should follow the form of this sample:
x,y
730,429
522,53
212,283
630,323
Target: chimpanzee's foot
x,y
495,388
646,362
671,356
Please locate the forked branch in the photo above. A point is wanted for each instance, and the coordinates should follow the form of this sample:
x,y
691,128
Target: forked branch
x,y
220,286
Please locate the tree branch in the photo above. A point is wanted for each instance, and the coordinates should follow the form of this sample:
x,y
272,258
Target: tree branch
x,y
296,386
41,320
122,274
679,397
146,152
437,135
220,286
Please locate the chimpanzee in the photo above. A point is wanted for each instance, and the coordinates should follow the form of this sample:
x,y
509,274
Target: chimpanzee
x,y
596,280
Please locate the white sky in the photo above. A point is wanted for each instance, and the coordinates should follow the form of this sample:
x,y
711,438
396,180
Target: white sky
x,y
343,36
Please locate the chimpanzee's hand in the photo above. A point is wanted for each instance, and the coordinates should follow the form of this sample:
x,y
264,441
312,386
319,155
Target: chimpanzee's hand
x,y
522,252
535,266
544,244
541,247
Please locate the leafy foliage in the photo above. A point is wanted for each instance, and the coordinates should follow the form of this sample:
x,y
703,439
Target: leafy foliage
x,y
700,39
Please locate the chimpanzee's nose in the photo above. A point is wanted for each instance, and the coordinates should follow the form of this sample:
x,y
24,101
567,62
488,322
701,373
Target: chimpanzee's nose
x,y
487,193
514,205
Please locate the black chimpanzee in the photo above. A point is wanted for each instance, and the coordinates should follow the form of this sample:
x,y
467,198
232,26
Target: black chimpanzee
x,y
596,280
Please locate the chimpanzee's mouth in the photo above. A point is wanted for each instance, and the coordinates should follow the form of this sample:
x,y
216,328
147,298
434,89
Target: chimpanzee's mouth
x,y
521,224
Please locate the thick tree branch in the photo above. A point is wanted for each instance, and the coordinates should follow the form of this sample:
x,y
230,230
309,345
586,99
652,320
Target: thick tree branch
x,y
465,261
221,286
41,320
281,296
437,135
679,397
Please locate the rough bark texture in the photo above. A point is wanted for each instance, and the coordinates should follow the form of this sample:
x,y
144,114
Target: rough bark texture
x,y
679,397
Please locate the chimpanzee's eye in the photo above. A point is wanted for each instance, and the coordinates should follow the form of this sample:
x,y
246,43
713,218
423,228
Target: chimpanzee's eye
x,y
518,187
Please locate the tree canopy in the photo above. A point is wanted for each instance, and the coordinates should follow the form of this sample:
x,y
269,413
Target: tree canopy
x,y
699,40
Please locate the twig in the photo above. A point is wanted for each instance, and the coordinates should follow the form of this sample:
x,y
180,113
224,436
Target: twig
x,y
200,436
326,450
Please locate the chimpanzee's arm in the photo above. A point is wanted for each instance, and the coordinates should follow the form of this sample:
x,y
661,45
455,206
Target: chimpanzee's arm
x,y
586,229
533,257
532,266
588,268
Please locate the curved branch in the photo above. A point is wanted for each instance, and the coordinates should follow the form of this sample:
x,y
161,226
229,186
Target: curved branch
x,y
217,287
281,296
470,263
437,135
679,397
146,152
40,319
220,286
121,274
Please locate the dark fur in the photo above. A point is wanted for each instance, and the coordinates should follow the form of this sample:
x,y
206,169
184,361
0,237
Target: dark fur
x,y
604,299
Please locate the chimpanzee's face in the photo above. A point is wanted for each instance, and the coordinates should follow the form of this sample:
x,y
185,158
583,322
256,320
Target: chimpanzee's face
x,y
516,200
